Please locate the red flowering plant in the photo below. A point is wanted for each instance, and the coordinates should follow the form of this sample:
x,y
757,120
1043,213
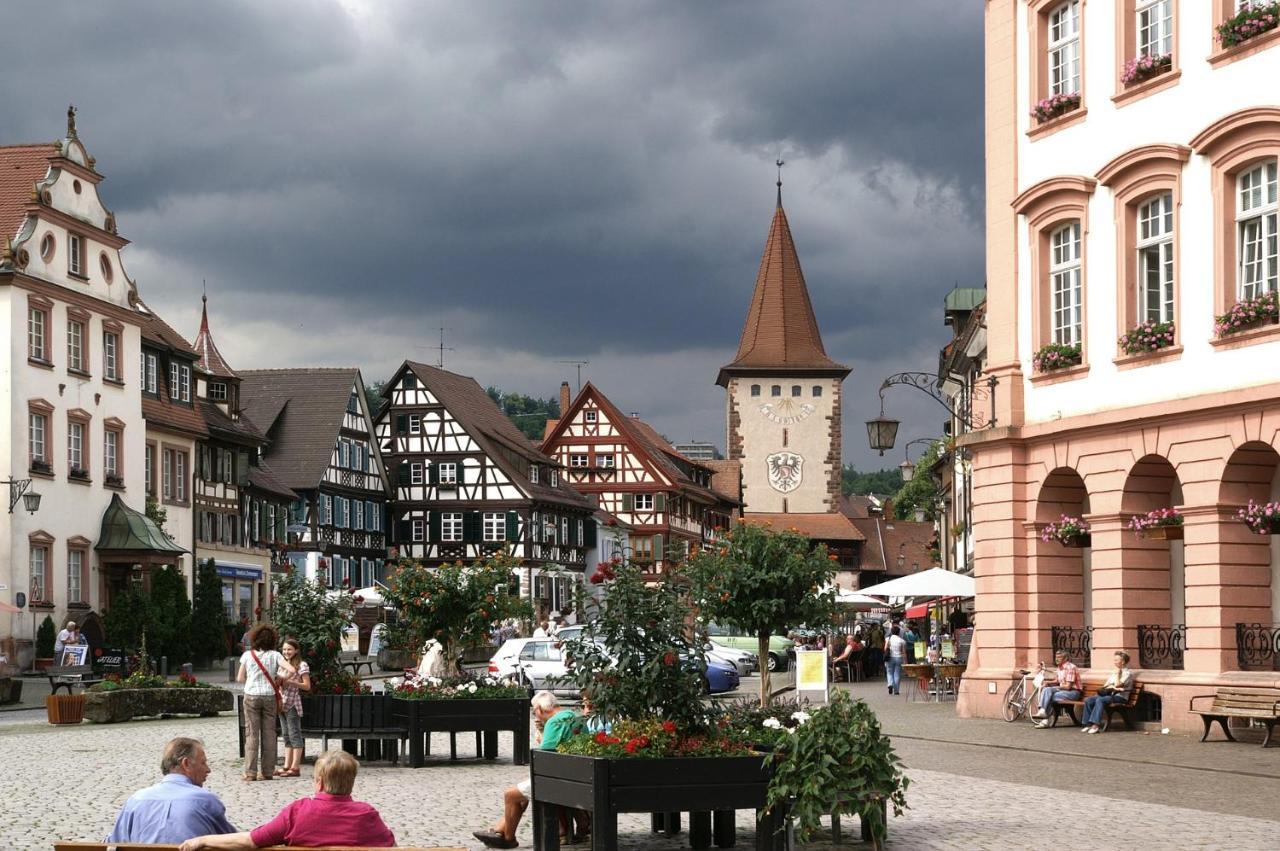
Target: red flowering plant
x,y
1248,313
1066,530
316,616
1051,107
1056,356
653,739
1261,518
1253,19
1145,67
1160,517
1147,337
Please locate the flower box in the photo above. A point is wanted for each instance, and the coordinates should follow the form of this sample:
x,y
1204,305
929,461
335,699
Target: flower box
x,y
1255,20
1052,107
1071,532
1055,356
1162,524
65,708
485,718
607,786
1145,67
1261,518
1077,542
1147,337
1164,533
1248,313
125,704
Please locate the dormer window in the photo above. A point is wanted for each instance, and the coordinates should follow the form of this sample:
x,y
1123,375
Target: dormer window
x,y
218,391
409,382
555,478
533,474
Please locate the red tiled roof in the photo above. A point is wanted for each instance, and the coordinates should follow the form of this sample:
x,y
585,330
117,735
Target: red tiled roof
x,y
170,416
781,332
158,332
886,539
820,527
210,358
726,478
20,167
856,505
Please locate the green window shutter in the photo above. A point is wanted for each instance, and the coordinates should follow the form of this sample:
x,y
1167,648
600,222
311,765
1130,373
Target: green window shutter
x,y
657,547
433,526
589,532
513,526
433,473
472,527
402,423
660,502
242,467
628,502
402,473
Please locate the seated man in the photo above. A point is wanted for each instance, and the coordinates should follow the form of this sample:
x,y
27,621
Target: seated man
x,y
1063,685
558,724
329,817
176,808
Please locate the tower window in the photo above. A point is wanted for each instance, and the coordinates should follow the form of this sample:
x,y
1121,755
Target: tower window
x,y
755,389
776,390
817,390
795,390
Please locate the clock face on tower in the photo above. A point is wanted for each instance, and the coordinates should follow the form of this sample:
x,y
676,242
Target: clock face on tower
x,y
786,412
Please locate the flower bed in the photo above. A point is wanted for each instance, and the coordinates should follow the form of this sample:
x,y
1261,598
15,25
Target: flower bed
x,y
654,739
114,704
485,687
1051,107
1054,356
1068,531
1163,523
1260,17
1147,337
1145,67
1248,313
1261,518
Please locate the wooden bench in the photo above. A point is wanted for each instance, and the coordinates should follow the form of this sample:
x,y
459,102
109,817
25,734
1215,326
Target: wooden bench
x,y
70,676
355,662
135,846
1260,704
1090,690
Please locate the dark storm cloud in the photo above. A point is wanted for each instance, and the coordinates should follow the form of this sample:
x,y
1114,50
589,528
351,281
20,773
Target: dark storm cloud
x,y
557,179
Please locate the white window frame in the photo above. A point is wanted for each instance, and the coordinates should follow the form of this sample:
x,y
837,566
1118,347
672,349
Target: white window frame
x,y
1064,49
495,526
590,416
643,502
75,344
577,459
75,445
111,355
149,367
1065,271
447,473
38,333
75,254
564,530
1155,258
555,478
533,474
180,476
111,452
606,460
37,436
166,474
186,382
175,391
451,527
415,473
1257,220
1153,27
75,576
415,424
418,532
218,391
39,563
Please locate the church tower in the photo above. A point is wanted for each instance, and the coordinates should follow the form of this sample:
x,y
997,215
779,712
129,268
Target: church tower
x,y
784,392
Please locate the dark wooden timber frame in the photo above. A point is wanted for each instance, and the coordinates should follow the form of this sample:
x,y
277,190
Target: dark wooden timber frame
x,y
697,785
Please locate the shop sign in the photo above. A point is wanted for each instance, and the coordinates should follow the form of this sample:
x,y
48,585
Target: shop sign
x,y
227,571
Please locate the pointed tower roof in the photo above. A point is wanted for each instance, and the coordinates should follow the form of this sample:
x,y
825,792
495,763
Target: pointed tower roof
x,y
210,358
781,334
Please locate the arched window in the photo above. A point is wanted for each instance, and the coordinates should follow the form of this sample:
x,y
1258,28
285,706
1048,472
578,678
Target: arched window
x,y
796,390
776,390
755,389
817,390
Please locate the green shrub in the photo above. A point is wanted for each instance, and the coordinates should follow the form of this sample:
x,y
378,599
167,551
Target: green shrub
x,y
169,633
130,614
208,621
46,637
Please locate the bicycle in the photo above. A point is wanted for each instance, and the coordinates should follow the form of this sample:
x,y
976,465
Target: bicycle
x,y
1020,698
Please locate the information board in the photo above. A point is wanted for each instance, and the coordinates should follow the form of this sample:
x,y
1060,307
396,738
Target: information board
x,y
811,673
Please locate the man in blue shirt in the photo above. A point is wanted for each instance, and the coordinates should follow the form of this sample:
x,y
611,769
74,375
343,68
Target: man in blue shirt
x,y
177,808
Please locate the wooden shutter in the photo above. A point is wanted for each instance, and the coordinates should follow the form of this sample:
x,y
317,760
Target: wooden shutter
x,y
402,423
628,502
513,526
657,547
242,467
404,531
472,527
589,532
433,473
402,473
433,526
660,502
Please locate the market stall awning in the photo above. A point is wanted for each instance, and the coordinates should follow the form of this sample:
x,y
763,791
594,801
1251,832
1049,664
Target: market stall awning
x,y
934,582
127,531
858,600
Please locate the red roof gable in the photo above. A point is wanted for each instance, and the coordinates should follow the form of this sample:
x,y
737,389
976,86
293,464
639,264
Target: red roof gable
x,y
20,167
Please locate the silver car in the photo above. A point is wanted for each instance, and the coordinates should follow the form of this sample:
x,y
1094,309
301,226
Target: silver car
x,y
744,661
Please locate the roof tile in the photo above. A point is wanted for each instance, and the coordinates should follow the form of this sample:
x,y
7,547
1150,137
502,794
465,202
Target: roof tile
x,y
20,167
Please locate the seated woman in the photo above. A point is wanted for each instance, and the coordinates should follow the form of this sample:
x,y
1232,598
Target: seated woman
x,y
1116,689
330,817
848,655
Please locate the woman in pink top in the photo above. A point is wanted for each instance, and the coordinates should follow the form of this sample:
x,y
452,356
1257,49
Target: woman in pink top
x,y
330,817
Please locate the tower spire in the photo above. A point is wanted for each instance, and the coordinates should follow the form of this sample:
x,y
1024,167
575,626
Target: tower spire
x,y
780,164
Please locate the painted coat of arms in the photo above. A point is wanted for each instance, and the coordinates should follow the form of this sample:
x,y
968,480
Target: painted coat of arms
x,y
785,471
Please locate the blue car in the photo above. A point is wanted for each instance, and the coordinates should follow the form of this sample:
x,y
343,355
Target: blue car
x,y
719,677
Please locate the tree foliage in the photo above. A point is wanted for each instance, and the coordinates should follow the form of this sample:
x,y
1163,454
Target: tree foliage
x,y
307,611
764,583
635,660
880,482
921,493
157,513
169,633
529,413
454,604
131,612
208,620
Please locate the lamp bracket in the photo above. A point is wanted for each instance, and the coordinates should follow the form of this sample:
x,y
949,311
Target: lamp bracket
x,y
961,407
17,487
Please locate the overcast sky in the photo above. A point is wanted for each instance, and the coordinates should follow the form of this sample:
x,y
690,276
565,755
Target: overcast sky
x,y
548,181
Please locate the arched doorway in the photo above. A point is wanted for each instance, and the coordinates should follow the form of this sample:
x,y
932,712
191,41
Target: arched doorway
x,y
1154,564
1061,579
1252,474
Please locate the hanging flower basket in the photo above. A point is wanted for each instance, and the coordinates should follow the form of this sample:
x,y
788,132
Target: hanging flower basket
x,y
1071,532
1055,356
1144,68
1261,518
1248,313
1147,337
1254,20
1163,524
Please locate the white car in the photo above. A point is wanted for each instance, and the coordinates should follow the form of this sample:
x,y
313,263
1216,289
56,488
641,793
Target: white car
x,y
744,661
505,662
535,663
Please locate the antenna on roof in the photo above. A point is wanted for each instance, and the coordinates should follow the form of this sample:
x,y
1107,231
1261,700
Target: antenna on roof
x,y
443,349
580,364
780,163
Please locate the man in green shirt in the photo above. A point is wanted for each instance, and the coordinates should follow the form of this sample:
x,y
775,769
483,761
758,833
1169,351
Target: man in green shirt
x,y
556,724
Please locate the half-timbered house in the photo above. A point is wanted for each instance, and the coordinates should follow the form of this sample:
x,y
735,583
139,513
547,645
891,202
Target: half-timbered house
x,y
467,483
320,428
241,507
668,501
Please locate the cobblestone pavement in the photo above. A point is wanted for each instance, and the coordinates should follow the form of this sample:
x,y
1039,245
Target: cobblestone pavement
x,y
68,783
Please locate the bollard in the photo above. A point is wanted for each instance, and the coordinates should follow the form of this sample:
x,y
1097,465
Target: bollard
x,y
231,670
164,666
188,669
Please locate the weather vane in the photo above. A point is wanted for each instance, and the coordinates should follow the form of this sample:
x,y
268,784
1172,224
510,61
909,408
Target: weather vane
x,y
780,164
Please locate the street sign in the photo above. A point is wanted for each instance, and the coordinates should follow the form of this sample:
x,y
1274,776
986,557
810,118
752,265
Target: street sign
x,y
811,674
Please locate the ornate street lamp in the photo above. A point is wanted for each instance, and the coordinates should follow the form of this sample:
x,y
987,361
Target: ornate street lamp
x,y
882,431
907,467
19,488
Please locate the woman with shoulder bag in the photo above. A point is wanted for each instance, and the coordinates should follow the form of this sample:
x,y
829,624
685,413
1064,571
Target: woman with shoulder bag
x,y
1116,689
260,671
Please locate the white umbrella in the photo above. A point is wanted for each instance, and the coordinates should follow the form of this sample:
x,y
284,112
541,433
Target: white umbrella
x,y
858,600
372,596
934,582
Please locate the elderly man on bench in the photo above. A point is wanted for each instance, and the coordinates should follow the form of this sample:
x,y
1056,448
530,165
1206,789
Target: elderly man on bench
x,y
176,808
1065,685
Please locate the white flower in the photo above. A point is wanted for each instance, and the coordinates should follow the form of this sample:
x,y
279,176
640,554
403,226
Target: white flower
x,y
471,687
800,717
772,723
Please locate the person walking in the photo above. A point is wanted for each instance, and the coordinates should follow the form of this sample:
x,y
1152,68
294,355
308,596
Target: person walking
x,y
875,650
895,653
260,671
297,679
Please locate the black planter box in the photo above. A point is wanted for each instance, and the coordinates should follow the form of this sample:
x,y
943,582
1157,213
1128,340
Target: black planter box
x,y
699,786
485,718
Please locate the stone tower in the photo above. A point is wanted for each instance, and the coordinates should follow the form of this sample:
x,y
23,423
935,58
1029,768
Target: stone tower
x,y
784,392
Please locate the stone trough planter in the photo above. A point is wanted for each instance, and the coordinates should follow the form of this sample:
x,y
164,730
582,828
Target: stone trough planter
x,y
109,707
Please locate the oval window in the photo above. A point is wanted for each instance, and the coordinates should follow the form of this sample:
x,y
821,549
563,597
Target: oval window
x,y
75,185
46,247
105,263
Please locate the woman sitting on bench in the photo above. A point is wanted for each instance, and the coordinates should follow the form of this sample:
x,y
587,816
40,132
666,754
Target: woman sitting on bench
x,y
1115,690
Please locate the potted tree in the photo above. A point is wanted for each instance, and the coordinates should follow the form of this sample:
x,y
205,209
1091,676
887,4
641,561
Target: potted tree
x,y
46,637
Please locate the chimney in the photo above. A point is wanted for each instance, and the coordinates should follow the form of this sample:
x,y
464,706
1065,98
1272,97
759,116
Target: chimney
x,y
635,415
564,398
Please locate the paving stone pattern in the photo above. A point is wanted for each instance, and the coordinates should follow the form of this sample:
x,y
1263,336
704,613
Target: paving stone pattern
x,y
68,783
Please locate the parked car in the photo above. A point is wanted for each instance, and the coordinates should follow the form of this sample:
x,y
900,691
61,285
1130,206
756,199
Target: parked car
x,y
744,661
505,662
729,637
719,677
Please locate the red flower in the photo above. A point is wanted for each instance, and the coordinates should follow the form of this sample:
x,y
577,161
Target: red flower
x,y
602,738
632,745
358,598
668,726
668,658
258,610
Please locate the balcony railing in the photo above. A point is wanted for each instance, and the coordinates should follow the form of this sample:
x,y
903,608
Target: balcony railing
x,y
1075,641
1258,646
1160,647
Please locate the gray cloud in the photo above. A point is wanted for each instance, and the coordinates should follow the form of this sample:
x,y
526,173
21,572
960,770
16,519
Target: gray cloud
x,y
548,180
